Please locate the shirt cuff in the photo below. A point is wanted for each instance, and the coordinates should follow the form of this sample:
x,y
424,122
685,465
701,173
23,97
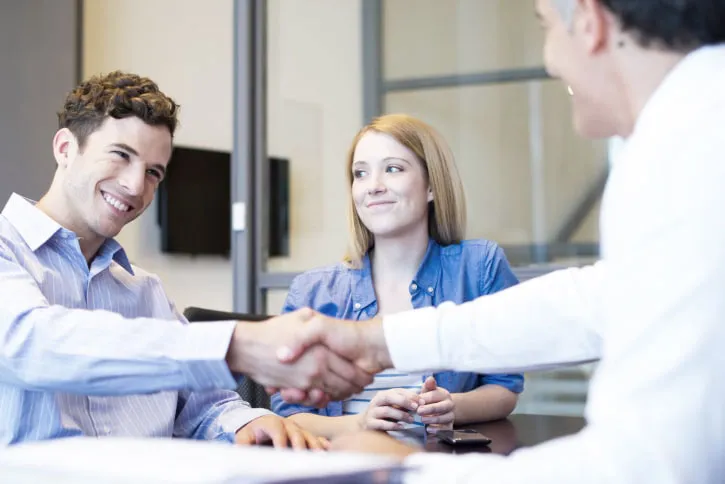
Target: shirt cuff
x,y
233,420
202,354
429,467
422,355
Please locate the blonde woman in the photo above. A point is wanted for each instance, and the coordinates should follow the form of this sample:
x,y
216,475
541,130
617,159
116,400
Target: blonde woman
x,y
407,222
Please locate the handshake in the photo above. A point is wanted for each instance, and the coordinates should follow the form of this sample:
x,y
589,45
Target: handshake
x,y
310,358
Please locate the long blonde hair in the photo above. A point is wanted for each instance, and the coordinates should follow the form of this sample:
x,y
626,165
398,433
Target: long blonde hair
x,y
447,211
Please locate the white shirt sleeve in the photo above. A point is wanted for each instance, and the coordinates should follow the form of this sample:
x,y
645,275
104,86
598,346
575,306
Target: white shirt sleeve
x,y
493,334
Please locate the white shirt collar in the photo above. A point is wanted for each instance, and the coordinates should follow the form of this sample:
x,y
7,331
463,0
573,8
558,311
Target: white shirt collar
x,y
33,225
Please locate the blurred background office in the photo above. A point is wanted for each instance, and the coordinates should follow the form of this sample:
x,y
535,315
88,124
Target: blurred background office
x,y
272,93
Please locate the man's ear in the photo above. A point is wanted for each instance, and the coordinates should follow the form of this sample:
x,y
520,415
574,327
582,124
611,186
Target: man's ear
x,y
65,147
592,23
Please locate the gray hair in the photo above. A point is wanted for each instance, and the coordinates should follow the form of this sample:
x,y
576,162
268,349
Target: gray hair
x,y
566,9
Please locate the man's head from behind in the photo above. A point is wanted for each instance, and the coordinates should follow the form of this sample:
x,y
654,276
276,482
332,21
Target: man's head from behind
x,y
591,43
112,148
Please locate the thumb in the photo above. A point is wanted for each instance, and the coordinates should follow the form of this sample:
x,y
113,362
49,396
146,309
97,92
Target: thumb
x,y
309,334
429,385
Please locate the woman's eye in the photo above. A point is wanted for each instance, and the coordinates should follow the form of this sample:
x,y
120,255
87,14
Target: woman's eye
x,y
394,169
358,173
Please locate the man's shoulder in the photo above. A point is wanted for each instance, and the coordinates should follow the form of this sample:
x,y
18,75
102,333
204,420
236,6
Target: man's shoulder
x,y
10,238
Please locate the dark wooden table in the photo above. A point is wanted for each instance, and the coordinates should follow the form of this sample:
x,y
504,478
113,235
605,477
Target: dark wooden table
x,y
507,435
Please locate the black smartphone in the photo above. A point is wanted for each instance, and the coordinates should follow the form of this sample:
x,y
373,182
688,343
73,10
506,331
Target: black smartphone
x,y
462,437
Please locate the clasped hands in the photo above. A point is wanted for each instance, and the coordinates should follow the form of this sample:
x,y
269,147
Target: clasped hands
x,y
392,409
310,358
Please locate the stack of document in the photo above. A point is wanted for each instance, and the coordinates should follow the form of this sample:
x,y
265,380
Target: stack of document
x,y
151,461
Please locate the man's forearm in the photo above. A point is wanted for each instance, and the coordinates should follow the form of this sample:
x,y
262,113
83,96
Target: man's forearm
x,y
545,322
103,353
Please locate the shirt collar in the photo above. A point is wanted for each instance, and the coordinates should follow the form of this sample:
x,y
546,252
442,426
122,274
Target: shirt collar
x,y
426,279
429,271
36,228
676,88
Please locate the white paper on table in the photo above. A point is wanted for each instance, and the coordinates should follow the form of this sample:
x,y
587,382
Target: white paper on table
x,y
123,460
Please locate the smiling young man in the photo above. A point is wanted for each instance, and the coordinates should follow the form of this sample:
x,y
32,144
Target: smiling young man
x,y
89,344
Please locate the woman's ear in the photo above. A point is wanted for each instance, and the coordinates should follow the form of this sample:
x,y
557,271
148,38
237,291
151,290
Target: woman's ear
x,y
430,194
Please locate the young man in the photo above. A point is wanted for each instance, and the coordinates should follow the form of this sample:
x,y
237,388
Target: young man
x,y
653,310
89,344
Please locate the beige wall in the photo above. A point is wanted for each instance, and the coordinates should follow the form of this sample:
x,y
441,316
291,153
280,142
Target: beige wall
x,y
524,169
188,51
315,107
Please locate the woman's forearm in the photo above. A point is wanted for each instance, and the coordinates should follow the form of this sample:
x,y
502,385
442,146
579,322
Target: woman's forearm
x,y
488,402
326,426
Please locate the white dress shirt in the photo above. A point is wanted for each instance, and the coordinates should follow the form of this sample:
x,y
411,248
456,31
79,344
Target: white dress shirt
x,y
653,311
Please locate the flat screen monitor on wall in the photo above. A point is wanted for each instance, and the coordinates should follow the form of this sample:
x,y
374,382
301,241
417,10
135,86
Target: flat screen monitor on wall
x,y
194,204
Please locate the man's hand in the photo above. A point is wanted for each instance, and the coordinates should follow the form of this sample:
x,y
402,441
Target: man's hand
x,y
362,343
372,442
438,408
280,432
254,347
388,408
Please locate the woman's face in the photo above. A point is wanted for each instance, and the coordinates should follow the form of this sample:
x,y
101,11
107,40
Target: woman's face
x,y
390,187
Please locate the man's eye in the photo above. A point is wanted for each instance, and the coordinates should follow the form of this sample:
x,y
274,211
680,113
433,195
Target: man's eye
x,y
122,154
154,173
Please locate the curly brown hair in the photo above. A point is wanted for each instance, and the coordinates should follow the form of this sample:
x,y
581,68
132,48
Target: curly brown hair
x,y
118,95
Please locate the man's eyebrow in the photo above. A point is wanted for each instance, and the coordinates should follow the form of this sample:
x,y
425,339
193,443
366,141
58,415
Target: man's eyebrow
x,y
125,147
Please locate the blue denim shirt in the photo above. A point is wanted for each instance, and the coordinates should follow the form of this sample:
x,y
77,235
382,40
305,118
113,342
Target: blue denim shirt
x,y
458,273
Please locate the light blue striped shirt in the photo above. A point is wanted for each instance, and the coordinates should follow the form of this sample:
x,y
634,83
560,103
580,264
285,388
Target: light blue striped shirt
x,y
101,351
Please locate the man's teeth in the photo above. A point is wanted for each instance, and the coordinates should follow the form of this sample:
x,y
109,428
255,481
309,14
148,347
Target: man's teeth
x,y
116,203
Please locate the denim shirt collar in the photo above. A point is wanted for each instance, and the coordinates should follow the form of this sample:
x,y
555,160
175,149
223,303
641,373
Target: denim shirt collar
x,y
36,228
426,279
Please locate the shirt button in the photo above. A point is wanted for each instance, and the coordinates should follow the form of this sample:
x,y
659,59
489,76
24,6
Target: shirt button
x,y
414,287
358,305
430,290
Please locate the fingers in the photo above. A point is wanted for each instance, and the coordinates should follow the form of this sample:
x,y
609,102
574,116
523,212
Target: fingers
x,y
245,437
297,437
309,334
390,413
313,398
399,397
429,385
349,372
378,424
316,443
317,398
446,418
433,428
437,395
438,408
277,432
